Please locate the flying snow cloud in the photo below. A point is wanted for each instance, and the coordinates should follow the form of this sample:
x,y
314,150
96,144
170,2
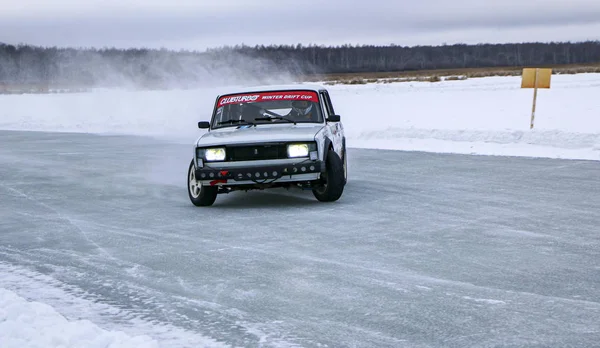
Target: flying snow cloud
x,y
195,25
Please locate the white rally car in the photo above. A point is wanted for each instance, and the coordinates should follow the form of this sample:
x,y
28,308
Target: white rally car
x,y
274,136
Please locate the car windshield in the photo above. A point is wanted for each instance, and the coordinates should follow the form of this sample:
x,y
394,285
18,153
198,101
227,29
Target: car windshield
x,y
267,108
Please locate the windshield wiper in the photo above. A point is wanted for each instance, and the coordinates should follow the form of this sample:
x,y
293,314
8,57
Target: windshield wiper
x,y
236,121
269,118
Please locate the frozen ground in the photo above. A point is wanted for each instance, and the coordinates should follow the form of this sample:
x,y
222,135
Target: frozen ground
x,y
100,247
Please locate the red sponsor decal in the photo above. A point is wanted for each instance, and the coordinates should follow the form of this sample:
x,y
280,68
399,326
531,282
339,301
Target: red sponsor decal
x,y
270,96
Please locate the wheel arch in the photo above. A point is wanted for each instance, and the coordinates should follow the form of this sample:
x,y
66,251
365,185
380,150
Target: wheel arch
x,y
328,145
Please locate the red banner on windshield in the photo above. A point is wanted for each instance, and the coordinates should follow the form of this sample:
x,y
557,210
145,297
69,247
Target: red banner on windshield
x,y
270,96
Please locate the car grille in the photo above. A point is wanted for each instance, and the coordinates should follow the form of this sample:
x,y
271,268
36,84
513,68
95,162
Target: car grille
x,y
256,152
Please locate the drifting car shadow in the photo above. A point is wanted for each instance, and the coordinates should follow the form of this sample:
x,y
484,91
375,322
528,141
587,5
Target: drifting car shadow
x,y
269,198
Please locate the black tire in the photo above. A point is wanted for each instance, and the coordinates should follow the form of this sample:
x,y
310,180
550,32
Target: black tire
x,y
200,195
345,166
332,181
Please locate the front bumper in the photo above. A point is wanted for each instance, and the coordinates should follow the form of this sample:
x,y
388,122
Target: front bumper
x,y
260,173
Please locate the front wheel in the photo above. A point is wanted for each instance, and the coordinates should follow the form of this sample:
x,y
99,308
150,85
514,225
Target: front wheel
x,y
345,166
200,195
333,180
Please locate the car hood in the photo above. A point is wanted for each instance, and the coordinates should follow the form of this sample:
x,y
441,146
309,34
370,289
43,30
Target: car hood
x,y
258,134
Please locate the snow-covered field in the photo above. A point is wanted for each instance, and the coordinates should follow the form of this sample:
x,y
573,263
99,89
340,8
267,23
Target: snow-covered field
x,y
477,116
487,116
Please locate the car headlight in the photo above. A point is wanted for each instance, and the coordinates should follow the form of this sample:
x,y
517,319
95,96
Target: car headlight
x,y
215,154
297,150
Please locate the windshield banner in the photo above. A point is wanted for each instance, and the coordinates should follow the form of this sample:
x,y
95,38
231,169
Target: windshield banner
x,y
270,96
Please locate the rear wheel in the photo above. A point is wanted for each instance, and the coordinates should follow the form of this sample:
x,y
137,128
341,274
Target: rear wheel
x,y
332,182
200,195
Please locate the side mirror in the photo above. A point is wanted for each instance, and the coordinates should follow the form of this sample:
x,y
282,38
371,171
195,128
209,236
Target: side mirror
x,y
333,118
203,125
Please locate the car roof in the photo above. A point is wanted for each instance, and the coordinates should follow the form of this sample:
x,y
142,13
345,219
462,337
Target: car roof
x,y
273,88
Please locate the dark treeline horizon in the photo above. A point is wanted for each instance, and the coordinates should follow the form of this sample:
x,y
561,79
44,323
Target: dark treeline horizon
x,y
86,67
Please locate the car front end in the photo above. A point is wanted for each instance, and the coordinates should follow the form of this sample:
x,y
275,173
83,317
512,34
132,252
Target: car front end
x,y
235,159
258,164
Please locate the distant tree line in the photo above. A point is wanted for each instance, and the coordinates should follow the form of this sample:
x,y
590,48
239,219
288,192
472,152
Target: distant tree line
x,y
369,58
26,64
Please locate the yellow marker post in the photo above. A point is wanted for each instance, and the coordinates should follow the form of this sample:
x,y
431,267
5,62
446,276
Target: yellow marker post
x,y
535,78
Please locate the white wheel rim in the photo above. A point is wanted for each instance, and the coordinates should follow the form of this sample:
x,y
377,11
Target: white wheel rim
x,y
194,186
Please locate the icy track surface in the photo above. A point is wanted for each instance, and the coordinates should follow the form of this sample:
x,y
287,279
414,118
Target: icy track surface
x,y
422,250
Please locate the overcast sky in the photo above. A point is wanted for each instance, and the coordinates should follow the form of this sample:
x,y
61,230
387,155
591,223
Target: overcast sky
x,y
199,24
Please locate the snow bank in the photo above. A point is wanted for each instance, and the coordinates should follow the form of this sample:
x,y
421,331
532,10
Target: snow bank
x,y
34,324
488,116
28,318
